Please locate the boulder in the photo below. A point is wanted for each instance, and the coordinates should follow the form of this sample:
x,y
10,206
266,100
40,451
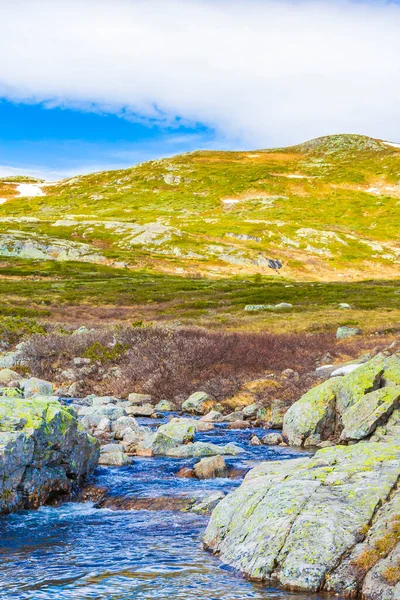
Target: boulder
x,y
92,416
140,399
199,403
171,435
250,411
186,473
123,425
113,455
11,392
165,406
214,416
239,424
199,449
272,439
297,521
36,387
313,415
345,370
145,410
344,332
43,452
255,441
278,410
211,467
8,376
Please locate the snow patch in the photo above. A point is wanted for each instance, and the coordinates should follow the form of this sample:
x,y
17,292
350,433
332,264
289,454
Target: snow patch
x,y
392,144
29,190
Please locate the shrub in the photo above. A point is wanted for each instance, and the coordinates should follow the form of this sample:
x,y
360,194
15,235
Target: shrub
x,y
172,363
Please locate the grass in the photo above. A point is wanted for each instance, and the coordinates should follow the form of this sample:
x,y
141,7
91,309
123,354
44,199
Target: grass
x,y
325,226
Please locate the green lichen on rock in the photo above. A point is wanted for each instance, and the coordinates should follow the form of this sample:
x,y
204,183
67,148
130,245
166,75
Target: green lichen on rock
x,y
295,520
313,415
350,407
43,452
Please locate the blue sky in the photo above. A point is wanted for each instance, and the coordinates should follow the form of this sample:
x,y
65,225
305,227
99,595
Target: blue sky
x,y
88,85
55,142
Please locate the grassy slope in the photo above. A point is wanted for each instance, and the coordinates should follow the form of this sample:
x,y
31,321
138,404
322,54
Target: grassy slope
x,y
328,209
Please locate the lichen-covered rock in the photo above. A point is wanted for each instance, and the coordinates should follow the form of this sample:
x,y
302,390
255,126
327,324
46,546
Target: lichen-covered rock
x,y
361,419
214,416
43,452
8,376
199,449
139,398
171,435
165,406
345,332
352,407
296,520
36,387
313,415
199,403
137,410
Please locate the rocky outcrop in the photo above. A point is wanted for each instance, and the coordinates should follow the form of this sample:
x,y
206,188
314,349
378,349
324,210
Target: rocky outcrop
x,y
350,408
44,453
305,522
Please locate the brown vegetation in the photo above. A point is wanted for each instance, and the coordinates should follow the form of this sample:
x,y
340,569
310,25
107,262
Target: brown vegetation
x,y
172,363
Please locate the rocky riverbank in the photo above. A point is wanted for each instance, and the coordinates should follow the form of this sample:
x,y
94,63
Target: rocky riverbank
x,y
331,522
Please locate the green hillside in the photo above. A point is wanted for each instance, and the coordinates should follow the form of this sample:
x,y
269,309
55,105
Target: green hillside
x,y
324,211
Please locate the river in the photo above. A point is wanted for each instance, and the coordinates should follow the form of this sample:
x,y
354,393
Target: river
x,y
77,551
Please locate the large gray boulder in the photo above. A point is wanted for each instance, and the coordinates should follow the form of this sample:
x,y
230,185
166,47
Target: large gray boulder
x,y
171,435
298,521
199,403
43,452
200,449
36,387
350,408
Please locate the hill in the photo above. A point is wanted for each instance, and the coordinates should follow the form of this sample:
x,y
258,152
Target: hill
x,y
323,211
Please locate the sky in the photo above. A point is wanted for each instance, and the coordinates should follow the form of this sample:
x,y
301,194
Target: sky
x,y
88,85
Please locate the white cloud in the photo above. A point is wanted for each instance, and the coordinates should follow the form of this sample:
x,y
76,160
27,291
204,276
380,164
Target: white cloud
x,y
261,72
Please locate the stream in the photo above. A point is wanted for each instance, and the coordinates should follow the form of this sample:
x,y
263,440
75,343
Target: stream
x,y
81,552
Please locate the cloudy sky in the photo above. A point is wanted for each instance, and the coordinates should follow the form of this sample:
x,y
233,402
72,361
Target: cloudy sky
x,y
93,84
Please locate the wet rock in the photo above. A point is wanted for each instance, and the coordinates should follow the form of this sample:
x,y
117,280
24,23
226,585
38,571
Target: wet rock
x,y
211,467
186,473
199,403
92,493
43,452
113,455
199,449
36,387
171,435
295,521
214,416
173,503
255,441
239,425
272,439
207,505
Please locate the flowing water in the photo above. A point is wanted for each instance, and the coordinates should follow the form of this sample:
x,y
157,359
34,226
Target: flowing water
x,y
79,552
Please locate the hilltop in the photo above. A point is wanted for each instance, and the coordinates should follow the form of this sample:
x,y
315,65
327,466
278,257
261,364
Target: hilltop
x,y
323,211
